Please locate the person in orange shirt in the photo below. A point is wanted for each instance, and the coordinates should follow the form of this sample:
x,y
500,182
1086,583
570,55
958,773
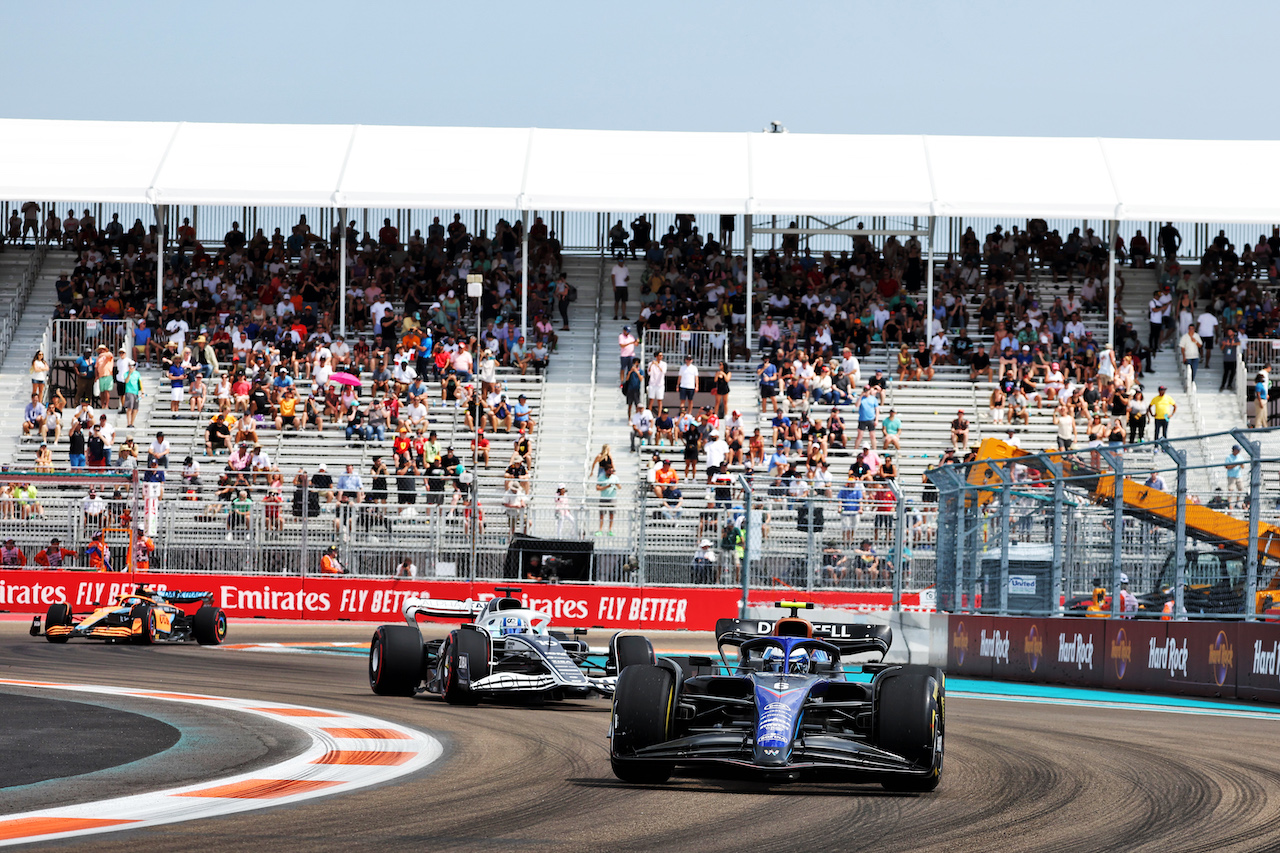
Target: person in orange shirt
x,y
663,477
54,556
143,548
99,555
329,563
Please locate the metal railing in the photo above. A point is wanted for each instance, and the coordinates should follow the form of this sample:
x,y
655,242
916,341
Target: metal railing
x,y
70,338
707,348
13,311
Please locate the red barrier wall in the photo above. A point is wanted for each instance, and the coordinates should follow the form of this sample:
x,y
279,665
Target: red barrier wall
x,y
1223,659
379,600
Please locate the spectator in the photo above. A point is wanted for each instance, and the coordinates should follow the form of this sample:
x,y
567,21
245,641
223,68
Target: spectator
x,y
1190,344
11,554
868,405
607,487
53,556
33,415
1161,409
703,566
960,431
329,562
1262,396
1235,483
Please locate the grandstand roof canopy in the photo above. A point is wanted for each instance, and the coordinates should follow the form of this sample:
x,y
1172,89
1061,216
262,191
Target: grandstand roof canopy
x,y
668,172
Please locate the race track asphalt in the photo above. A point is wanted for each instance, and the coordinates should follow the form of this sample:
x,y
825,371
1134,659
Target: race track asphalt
x,y
1018,776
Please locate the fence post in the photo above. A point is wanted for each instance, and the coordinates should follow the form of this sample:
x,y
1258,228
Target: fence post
x,y
810,568
642,540
1055,566
973,530
746,544
1254,449
1116,461
1179,458
899,563
306,518
1006,532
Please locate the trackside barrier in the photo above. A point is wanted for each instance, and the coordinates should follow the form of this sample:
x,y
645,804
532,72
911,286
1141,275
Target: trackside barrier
x,y
1230,660
359,599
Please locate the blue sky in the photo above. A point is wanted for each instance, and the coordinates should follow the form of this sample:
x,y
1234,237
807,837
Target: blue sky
x,y
1153,69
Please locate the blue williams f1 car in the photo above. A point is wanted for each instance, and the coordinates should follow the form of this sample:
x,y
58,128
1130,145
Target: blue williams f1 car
x,y
784,708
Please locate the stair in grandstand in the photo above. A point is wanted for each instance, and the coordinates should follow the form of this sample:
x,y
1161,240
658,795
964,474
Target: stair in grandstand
x,y
567,429
15,375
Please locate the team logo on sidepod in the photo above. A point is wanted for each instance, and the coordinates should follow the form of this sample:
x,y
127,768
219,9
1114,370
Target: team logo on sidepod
x,y
1221,656
1121,653
960,642
1034,647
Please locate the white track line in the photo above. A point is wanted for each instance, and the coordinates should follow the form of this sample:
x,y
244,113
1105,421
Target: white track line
x,y
1118,705
347,751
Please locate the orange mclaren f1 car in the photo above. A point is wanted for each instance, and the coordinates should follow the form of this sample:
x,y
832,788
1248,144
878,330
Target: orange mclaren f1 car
x,y
143,616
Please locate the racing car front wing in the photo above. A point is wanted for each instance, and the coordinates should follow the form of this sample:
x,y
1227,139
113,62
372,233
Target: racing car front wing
x,y
815,752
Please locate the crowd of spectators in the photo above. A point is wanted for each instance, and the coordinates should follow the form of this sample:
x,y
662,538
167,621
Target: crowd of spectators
x,y
248,339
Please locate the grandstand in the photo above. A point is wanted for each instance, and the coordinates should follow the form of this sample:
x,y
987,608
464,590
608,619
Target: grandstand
x,y
578,408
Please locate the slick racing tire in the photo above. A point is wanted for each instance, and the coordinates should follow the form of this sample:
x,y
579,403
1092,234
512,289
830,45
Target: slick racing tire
x,y
643,715
395,660
145,612
910,714
59,614
474,647
209,626
630,649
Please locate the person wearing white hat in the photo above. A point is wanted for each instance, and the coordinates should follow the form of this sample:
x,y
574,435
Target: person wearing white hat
x,y
703,568
1128,601
564,514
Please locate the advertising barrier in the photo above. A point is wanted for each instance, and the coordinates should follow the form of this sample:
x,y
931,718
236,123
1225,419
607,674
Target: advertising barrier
x,y
379,600
1219,659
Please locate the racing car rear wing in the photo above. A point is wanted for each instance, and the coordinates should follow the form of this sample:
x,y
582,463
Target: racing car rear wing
x,y
849,637
441,608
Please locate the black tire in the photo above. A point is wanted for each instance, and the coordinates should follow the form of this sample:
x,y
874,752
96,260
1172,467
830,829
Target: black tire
x,y
475,647
146,613
58,614
643,715
209,626
910,721
395,660
631,649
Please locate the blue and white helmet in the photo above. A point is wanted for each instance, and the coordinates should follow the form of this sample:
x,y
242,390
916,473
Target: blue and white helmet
x,y
799,661
512,625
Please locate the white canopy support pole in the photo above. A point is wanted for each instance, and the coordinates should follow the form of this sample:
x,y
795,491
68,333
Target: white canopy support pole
x,y
928,284
342,272
162,214
751,283
1111,284
524,272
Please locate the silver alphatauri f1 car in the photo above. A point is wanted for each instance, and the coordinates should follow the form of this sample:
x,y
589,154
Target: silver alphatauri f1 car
x,y
506,650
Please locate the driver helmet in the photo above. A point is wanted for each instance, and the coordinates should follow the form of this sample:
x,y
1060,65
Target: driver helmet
x,y
512,625
799,662
772,658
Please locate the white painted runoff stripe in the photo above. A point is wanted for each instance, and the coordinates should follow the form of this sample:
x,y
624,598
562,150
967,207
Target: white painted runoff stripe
x,y
347,751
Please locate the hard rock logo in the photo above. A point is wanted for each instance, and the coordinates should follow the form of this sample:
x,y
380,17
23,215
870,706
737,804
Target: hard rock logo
x,y
1034,647
960,642
1221,658
1121,653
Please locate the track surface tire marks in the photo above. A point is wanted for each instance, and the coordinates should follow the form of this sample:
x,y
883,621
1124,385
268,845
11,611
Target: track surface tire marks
x,y
1018,777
